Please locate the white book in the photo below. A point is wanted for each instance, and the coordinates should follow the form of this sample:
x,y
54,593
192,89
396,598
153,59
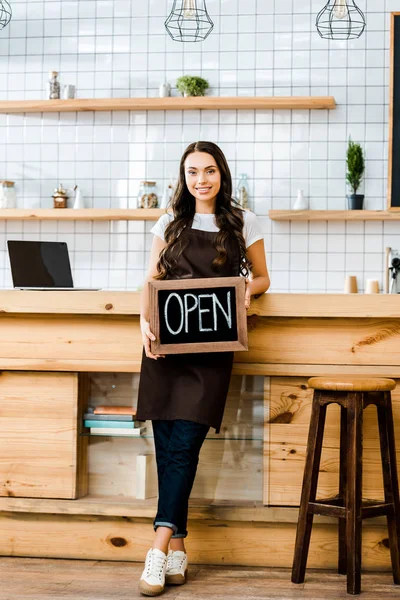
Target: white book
x,y
116,431
146,476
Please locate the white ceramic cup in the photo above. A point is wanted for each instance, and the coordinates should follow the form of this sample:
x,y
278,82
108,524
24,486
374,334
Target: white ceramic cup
x,y
69,91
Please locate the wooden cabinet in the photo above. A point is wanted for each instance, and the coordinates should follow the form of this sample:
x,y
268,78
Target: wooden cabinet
x,y
41,452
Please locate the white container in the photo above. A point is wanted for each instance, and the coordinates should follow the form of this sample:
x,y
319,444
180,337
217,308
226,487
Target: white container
x,y
301,203
69,91
78,201
165,90
8,196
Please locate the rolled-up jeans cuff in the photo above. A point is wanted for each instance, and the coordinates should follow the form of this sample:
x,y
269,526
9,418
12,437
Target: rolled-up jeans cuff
x,y
165,524
179,535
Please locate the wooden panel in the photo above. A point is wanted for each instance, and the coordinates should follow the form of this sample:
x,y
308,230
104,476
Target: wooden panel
x,y
69,303
291,370
41,452
110,338
116,506
324,341
172,103
324,306
82,214
290,409
208,542
110,303
333,215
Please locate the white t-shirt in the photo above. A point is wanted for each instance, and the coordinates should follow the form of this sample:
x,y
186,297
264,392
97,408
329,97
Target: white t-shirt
x,y
251,229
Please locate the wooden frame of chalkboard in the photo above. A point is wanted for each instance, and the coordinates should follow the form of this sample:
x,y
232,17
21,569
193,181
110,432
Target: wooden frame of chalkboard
x,y
394,115
227,317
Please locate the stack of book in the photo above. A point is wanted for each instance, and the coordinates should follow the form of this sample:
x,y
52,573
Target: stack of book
x,y
113,420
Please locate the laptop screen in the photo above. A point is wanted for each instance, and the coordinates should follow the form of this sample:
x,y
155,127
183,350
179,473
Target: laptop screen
x,y
39,264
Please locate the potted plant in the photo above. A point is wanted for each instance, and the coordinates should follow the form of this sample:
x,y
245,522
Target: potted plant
x,y
191,85
355,171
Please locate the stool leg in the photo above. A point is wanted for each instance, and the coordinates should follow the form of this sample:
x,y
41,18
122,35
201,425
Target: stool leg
x,y
342,558
390,481
309,489
354,491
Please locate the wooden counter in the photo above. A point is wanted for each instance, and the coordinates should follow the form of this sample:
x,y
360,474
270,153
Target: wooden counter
x,y
66,335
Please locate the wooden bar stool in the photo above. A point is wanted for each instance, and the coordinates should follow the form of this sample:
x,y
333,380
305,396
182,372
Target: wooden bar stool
x,y
353,395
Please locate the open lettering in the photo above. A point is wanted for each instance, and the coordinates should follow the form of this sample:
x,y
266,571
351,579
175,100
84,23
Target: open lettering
x,y
200,303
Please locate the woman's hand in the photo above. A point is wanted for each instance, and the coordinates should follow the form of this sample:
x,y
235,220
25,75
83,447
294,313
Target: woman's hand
x,y
147,335
247,295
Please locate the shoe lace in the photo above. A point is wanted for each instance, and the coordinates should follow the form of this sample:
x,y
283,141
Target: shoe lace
x,y
155,565
174,561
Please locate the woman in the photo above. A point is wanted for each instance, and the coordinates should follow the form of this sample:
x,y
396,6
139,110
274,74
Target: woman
x,y
184,395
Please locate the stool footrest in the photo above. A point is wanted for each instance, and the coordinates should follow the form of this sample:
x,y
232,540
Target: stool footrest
x,y
329,510
377,510
334,509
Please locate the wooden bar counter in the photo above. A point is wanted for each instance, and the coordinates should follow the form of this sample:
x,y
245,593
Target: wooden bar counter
x,y
65,494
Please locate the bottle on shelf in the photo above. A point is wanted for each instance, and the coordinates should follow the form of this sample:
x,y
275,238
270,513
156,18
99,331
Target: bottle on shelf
x,y
53,86
242,191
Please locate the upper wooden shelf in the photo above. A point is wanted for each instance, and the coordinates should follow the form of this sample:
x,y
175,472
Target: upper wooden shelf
x,y
173,103
334,215
82,214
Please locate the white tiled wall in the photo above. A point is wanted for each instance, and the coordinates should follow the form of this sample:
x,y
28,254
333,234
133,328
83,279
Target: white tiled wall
x,y
120,48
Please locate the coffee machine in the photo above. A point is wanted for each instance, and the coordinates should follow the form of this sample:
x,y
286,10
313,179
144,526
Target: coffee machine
x,y
393,267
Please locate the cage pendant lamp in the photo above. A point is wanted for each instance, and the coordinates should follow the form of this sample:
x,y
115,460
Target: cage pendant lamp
x,y
5,13
340,20
189,21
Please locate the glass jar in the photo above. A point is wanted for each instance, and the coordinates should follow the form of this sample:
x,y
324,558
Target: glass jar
x,y
147,197
242,191
53,86
8,196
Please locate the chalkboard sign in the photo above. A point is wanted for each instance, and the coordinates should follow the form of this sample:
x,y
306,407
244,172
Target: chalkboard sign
x,y
198,315
394,116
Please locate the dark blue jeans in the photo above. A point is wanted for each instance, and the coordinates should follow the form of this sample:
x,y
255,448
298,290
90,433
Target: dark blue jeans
x,y
178,444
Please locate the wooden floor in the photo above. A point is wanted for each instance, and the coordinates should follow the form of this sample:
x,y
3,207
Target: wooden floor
x,y
42,579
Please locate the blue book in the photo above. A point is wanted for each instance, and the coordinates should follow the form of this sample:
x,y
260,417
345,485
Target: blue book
x,y
113,424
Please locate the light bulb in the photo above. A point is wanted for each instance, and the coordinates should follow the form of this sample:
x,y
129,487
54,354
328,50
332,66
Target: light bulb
x,y
189,8
340,10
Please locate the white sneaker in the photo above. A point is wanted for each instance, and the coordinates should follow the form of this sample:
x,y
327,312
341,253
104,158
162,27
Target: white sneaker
x,y
152,581
177,567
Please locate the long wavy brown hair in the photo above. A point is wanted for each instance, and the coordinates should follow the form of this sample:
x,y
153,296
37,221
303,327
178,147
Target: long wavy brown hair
x,y
228,217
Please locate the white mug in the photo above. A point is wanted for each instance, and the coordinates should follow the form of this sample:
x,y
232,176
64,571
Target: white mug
x,y
69,91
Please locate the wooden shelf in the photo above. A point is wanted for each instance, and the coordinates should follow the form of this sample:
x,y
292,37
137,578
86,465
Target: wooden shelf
x,y
83,214
173,103
122,506
334,215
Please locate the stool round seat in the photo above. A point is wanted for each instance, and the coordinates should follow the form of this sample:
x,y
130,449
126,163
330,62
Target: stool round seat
x,y
350,384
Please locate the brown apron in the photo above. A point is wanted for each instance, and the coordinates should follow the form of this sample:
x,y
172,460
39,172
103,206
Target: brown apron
x,y
190,386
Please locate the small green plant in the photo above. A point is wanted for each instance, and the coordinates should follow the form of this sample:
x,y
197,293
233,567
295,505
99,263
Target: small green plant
x,y
355,165
191,85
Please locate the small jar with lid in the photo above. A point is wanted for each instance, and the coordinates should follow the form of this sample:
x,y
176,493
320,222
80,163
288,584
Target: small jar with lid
x,y
8,196
60,197
147,197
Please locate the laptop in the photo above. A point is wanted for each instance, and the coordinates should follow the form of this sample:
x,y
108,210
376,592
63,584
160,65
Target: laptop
x,y
41,266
